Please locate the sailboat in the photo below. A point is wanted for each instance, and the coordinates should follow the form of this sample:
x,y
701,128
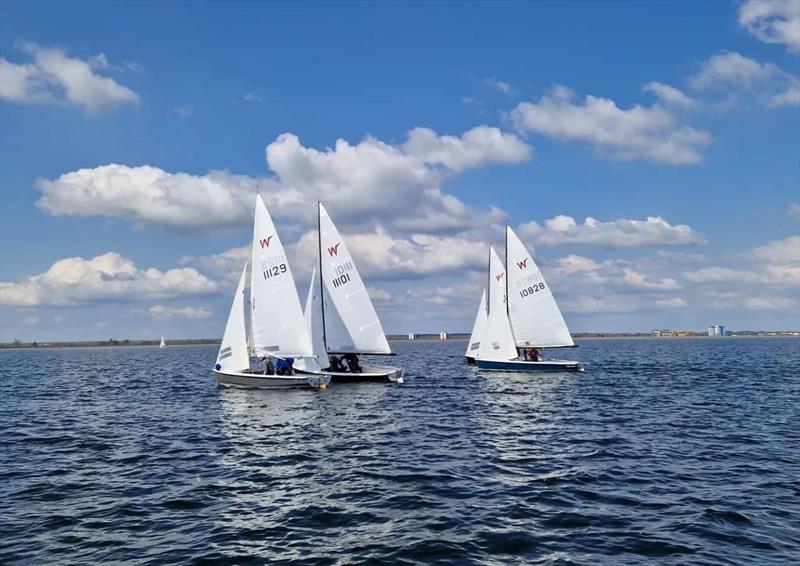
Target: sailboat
x,y
340,316
163,344
276,334
523,314
478,329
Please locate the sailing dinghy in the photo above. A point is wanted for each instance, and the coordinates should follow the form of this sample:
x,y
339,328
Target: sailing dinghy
x,y
340,316
523,315
163,344
277,331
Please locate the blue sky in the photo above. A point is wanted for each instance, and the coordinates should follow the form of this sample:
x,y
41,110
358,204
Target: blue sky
x,y
140,130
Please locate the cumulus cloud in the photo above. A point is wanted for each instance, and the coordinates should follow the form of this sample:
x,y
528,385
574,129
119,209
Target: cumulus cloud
x,y
794,210
252,97
730,75
363,183
774,264
669,95
55,77
655,231
164,312
651,133
773,21
107,277
501,86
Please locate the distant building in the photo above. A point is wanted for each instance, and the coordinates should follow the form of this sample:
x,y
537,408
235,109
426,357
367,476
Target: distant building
x,y
720,330
443,335
716,330
412,336
712,331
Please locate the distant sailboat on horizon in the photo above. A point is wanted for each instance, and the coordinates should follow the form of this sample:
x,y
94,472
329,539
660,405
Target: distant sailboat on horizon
x,y
163,344
522,315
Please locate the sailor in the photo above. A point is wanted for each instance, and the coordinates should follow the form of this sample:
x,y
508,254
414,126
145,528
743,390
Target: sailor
x,y
532,354
352,363
335,363
284,366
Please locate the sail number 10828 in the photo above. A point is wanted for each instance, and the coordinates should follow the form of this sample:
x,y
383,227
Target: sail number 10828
x,y
532,289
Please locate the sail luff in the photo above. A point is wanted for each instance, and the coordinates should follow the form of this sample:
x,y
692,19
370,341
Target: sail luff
x,y
233,355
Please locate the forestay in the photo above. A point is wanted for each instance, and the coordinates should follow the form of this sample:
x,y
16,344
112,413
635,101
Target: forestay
x,y
534,314
478,329
363,332
278,324
498,341
232,354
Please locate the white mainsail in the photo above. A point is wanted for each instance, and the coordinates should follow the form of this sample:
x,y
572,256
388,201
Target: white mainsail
x,y
534,314
232,354
163,344
478,329
345,289
278,325
498,341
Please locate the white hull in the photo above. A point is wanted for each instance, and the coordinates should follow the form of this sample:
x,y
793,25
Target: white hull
x,y
261,381
368,373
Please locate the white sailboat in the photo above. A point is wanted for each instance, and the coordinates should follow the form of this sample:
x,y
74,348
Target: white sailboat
x,y
277,329
340,316
163,344
478,328
523,314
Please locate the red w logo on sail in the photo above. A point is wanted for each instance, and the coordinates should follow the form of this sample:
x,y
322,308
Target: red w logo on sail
x,y
499,276
332,251
523,264
265,243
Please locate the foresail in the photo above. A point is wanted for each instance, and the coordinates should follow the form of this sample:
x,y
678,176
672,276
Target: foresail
x,y
232,354
313,316
348,293
278,324
535,316
498,340
478,328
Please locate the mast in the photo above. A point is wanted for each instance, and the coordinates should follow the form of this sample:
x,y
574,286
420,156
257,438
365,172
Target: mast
x,y
508,312
489,282
321,282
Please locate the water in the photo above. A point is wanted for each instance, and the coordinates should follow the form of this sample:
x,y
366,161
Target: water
x,y
670,451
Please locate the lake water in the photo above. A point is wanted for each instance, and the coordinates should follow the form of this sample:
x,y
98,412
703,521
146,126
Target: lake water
x,y
682,451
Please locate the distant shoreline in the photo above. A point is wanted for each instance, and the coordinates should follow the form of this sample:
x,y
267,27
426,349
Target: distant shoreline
x,y
427,338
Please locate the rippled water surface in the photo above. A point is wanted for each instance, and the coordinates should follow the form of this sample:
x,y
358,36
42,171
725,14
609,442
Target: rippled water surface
x,y
668,451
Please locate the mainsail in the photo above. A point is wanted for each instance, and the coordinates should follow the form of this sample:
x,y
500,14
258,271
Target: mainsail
x,y
232,354
498,340
478,329
533,311
361,331
278,325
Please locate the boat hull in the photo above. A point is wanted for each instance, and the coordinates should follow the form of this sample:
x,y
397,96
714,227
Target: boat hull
x,y
368,374
470,361
528,366
260,381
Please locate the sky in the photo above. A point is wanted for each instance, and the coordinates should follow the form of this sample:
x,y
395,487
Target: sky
x,y
648,156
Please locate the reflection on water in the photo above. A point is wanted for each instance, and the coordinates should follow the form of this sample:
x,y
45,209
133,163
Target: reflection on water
x,y
668,451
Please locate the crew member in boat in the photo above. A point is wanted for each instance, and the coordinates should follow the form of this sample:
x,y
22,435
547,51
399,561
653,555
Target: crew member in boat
x,y
283,366
532,354
335,363
352,363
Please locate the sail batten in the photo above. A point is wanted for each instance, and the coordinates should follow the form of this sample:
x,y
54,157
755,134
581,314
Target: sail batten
x,y
535,317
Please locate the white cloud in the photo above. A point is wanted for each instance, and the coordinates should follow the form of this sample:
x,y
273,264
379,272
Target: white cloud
x,y
501,86
730,75
107,277
674,302
773,21
363,184
794,210
379,295
775,264
55,77
655,231
149,195
252,97
669,95
163,312
639,132
183,111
